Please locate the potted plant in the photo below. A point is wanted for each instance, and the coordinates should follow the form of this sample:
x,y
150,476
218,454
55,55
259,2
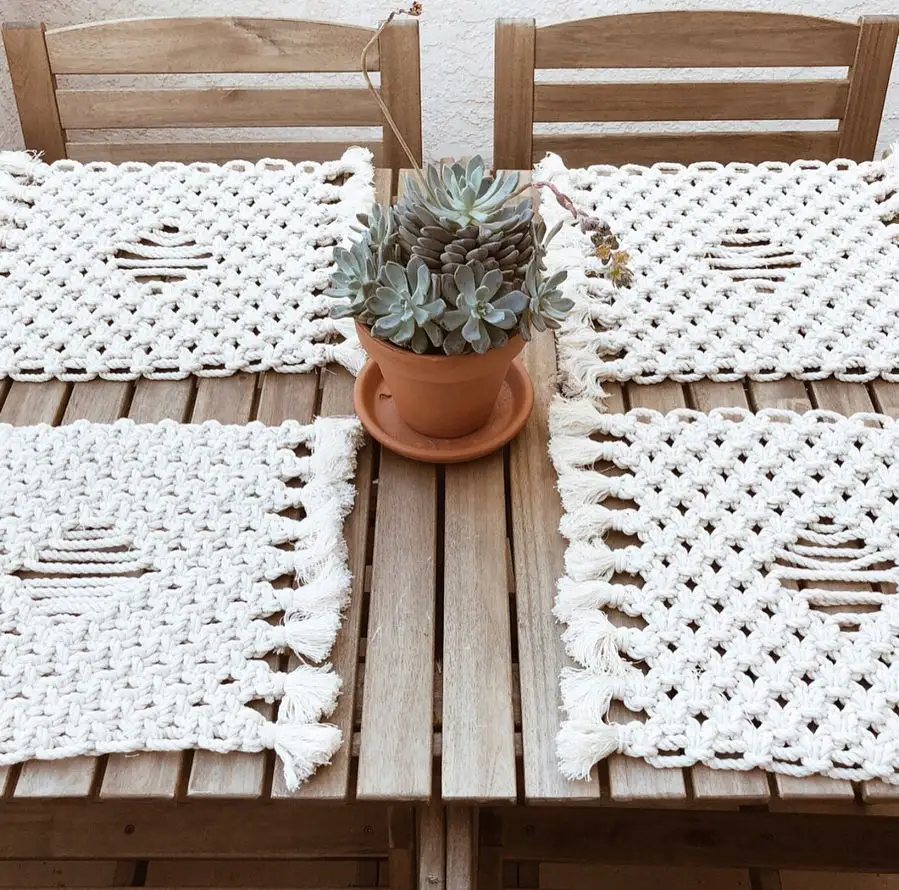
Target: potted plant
x,y
447,286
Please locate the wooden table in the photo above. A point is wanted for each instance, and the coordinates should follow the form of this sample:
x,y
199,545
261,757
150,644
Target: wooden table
x,y
201,805
499,557
450,658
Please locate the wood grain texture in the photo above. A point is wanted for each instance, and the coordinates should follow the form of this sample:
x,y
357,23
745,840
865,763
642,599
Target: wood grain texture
x,y
687,148
691,101
213,152
207,45
243,873
870,75
570,876
395,751
238,774
478,726
401,90
33,86
432,846
538,560
695,39
97,109
101,401
461,847
513,93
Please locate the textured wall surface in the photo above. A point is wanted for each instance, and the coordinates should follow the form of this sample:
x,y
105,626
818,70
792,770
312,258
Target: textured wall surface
x,y
457,46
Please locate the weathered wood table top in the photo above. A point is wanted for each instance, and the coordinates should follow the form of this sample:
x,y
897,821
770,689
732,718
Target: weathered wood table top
x,y
449,652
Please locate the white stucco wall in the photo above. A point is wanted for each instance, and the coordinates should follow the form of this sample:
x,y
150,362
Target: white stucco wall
x,y
457,46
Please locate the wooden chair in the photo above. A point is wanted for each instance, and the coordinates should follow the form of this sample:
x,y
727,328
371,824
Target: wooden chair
x,y
692,40
174,46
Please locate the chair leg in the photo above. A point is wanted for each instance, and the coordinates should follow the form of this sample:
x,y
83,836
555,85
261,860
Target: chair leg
x,y
461,847
401,852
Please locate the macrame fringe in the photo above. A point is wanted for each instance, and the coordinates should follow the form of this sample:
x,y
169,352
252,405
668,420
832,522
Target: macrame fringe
x,y
301,747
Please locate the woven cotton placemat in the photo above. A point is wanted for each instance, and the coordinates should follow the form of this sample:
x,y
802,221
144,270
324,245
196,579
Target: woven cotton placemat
x,y
137,572
736,655
128,270
740,270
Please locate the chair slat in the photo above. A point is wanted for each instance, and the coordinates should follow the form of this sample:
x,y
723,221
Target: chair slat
x,y
207,45
687,148
691,101
696,40
870,82
213,152
216,107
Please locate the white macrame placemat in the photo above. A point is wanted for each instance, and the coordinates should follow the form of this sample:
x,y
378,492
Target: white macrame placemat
x,y
739,271
740,657
167,270
137,571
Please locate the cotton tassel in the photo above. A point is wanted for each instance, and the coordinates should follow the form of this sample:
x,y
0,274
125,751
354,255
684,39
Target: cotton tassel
x,y
591,641
581,744
311,635
301,747
310,693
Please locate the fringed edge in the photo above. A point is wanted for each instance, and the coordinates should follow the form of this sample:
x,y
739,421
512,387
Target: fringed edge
x,y
581,347
313,608
19,184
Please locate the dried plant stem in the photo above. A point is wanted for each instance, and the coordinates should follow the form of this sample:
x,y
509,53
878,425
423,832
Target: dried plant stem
x,y
562,198
377,96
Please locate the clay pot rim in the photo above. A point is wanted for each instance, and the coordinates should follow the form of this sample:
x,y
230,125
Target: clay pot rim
x,y
427,357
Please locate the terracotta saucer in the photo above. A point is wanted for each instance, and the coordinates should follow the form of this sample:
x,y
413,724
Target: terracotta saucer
x,y
379,416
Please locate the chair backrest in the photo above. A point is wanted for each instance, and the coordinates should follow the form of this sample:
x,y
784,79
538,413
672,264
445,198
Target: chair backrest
x,y
691,40
187,46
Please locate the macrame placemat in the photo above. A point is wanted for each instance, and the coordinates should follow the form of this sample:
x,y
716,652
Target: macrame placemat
x,y
137,571
739,271
167,270
738,656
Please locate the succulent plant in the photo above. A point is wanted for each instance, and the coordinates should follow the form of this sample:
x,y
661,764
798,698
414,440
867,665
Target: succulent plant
x,y
458,214
455,268
483,313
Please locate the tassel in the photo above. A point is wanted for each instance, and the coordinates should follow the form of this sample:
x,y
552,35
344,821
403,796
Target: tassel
x,y
580,745
591,640
311,636
301,747
310,693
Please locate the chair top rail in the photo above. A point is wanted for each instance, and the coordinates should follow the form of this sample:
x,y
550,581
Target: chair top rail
x,y
208,45
708,39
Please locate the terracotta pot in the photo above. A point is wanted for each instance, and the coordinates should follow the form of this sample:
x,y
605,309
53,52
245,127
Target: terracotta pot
x,y
444,396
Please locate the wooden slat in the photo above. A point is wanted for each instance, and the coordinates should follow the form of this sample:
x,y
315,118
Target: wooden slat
x,y
687,148
432,846
870,81
101,401
816,880
632,779
513,93
401,90
65,873
214,152
700,837
243,873
538,561
792,395
696,40
559,876
333,782
461,847
216,107
691,101
337,399
395,751
213,45
33,86
237,774
478,749
152,774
